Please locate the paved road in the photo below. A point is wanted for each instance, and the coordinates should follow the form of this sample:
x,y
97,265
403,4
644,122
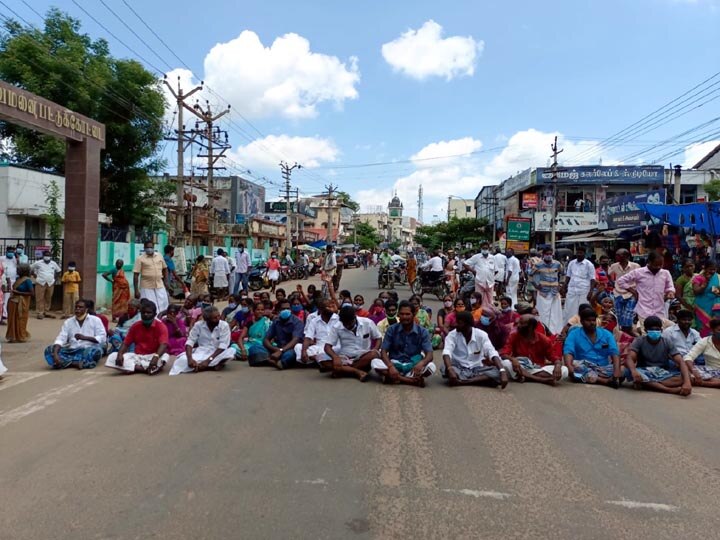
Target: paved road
x,y
256,453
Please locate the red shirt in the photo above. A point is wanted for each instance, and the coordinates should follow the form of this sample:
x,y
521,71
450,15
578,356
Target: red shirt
x,y
539,350
147,339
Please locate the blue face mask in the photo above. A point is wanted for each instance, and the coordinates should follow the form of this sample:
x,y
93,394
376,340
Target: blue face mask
x,y
297,308
10,255
485,321
654,335
232,305
205,304
285,314
244,309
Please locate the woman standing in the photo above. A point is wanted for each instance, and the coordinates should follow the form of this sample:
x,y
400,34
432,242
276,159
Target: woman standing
x,y
706,287
411,268
120,289
19,306
200,275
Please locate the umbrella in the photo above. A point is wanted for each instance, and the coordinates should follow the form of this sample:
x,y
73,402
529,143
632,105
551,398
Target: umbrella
x,y
307,247
363,251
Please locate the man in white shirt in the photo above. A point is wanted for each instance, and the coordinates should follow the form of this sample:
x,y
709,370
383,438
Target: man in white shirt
x,y
317,330
470,358
512,276
9,275
483,266
207,346
500,271
242,268
352,345
579,283
80,341
434,267
220,272
45,271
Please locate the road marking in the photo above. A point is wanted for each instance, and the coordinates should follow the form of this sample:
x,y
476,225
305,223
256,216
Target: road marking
x,y
322,417
634,505
44,400
477,493
19,377
316,482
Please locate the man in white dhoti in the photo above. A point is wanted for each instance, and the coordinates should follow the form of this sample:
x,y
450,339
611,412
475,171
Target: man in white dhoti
x,y
150,337
579,282
512,276
546,278
208,345
150,277
220,272
312,349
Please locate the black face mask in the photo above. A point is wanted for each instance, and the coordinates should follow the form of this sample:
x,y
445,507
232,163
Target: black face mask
x,y
212,325
654,270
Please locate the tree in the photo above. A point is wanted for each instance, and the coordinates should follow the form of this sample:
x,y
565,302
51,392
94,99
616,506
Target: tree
x,y
456,231
53,217
367,236
345,198
712,188
69,68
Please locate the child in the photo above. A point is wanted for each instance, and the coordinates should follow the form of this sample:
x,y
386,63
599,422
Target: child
x,y
177,331
71,289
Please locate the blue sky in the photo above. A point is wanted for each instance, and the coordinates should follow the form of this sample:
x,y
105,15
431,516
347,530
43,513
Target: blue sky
x,y
511,76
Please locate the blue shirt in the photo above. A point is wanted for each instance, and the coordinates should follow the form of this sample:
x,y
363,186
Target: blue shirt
x,y
579,345
402,345
170,263
282,332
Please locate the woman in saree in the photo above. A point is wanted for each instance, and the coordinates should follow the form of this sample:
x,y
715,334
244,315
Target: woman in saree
x,y
200,276
706,287
253,348
19,306
120,289
422,317
177,331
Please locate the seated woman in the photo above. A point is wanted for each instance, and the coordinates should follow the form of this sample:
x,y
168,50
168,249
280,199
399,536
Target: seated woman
x,y
115,339
253,349
422,317
80,341
359,303
451,317
507,316
709,347
377,311
443,313
240,326
476,306
176,329
297,308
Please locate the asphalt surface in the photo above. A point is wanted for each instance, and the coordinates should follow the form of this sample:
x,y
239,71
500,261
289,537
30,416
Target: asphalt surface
x,y
257,453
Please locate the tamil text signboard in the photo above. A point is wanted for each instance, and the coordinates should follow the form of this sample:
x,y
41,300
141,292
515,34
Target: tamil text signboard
x,y
643,174
621,212
518,233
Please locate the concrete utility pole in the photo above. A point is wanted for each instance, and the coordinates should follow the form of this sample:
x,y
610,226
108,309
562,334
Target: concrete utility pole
x,y
286,171
180,98
553,216
213,138
420,204
330,190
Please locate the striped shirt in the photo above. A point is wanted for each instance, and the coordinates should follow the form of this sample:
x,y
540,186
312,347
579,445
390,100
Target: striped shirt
x,y
546,277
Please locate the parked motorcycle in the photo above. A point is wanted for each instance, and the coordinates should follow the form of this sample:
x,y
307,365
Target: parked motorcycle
x,y
431,282
256,280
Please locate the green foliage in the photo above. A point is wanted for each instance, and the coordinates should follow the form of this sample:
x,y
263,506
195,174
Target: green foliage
x,y
457,230
712,188
66,66
347,200
367,236
53,217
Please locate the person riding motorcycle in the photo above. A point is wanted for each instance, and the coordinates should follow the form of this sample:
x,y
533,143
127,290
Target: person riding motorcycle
x,y
434,268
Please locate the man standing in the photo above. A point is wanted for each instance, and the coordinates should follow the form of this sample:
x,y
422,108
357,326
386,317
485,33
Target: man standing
x,y
470,358
407,353
220,272
150,271
20,255
651,285
483,266
531,354
172,277
500,271
150,338
9,275
242,267
329,265
352,345
624,300
207,346
546,277
81,341
512,276
45,271
579,283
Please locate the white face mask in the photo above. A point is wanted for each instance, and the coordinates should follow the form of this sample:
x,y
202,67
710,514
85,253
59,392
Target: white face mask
x,y
484,252
46,259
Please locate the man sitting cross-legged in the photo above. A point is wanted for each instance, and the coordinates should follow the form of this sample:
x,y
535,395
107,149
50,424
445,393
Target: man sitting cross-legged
x,y
80,341
284,334
531,354
352,344
312,349
469,356
591,353
709,347
208,345
150,337
407,353
654,363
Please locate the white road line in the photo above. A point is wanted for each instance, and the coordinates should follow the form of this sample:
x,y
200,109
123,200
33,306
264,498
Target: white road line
x,y
317,482
44,400
322,416
634,505
15,378
477,493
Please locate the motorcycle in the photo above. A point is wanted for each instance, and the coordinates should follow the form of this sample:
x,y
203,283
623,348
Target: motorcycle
x,y
431,282
256,280
467,285
386,278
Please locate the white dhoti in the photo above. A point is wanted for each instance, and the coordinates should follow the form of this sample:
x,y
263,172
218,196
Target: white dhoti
x,y
220,281
273,275
200,354
158,296
550,311
3,369
316,353
511,289
132,360
573,299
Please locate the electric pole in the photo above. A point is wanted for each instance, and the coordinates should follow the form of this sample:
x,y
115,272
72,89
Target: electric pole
x,y
330,190
212,138
180,98
554,155
286,171
420,204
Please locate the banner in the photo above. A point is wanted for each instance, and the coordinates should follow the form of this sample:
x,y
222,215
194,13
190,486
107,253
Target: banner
x,y
644,174
518,229
621,212
530,200
566,222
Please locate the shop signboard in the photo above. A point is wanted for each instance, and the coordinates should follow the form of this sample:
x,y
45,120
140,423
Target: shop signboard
x,y
641,174
518,229
517,183
621,212
529,200
566,222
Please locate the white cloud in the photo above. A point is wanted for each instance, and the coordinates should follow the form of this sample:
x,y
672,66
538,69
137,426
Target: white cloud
x,y
425,53
265,153
434,154
695,152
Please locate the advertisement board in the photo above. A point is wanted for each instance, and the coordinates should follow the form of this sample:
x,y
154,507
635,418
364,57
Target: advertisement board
x,y
516,183
529,200
247,197
518,229
621,212
642,174
566,222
